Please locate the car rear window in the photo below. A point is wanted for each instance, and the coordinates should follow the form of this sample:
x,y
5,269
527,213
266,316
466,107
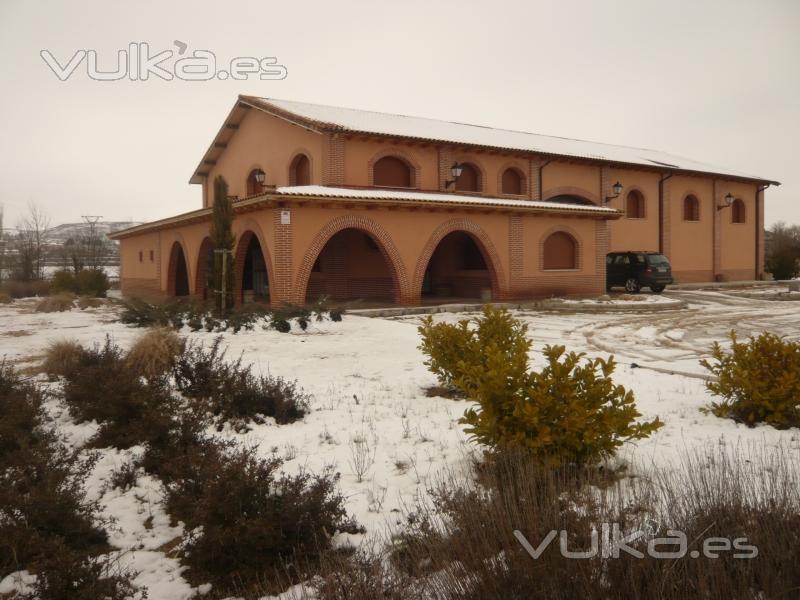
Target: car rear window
x,y
657,259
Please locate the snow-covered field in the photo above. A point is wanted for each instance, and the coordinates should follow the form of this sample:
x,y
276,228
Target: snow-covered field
x,y
368,380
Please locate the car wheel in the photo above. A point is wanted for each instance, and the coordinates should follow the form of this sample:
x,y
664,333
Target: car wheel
x,y
657,289
632,286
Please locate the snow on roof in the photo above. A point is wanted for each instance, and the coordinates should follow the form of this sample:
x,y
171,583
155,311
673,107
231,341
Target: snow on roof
x,y
370,122
321,191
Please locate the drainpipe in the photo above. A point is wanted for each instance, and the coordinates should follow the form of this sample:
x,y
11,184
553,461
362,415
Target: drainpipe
x,y
759,226
661,212
541,180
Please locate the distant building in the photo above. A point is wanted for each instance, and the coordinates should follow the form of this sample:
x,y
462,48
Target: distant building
x,y
363,205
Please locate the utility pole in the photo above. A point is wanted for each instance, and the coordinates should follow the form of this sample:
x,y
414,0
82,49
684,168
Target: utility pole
x,y
92,221
224,280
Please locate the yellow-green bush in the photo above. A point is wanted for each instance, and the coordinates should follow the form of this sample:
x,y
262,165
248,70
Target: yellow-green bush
x,y
758,380
571,411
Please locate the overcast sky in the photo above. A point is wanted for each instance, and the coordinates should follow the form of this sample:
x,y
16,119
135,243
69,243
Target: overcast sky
x,y
718,81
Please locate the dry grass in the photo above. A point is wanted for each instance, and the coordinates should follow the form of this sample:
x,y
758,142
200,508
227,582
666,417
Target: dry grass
x,y
85,302
61,357
57,303
155,352
16,333
5,298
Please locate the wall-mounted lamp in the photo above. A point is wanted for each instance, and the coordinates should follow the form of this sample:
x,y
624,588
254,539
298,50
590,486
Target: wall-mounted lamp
x,y
728,201
260,177
455,171
617,189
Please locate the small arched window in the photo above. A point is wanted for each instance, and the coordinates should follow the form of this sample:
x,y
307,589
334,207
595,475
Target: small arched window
x,y
253,187
691,208
300,171
513,182
469,180
391,171
560,252
737,211
634,205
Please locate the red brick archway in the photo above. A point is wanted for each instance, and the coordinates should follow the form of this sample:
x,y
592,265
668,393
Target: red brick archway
x,y
177,272
481,240
252,241
379,237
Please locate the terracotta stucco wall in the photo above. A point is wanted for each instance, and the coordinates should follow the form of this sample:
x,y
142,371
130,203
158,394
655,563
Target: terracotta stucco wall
x,y
691,247
266,142
565,178
635,233
738,240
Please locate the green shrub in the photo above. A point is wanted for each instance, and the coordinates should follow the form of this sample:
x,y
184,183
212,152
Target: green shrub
x,y
453,348
87,282
231,393
568,412
758,380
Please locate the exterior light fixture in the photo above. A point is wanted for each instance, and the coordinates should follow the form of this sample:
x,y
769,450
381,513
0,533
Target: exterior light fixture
x,y
260,177
455,171
728,201
617,189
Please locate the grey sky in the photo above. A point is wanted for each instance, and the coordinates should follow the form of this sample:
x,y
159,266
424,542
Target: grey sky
x,y
718,81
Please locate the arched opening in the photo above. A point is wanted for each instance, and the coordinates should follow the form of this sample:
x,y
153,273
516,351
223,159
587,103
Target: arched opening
x,y
391,171
458,268
513,182
204,278
252,279
691,208
571,199
352,267
738,211
253,186
178,274
559,252
634,205
300,171
469,180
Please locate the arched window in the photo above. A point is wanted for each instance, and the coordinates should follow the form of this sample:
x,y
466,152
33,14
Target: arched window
x,y
560,252
469,180
513,182
253,187
391,171
634,205
738,211
300,171
691,208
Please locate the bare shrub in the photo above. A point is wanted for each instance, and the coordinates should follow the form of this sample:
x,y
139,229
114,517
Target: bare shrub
x,y
25,289
56,303
61,357
155,353
362,456
85,302
231,393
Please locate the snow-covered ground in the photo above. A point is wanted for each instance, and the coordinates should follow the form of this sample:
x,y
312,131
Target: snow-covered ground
x,y
368,381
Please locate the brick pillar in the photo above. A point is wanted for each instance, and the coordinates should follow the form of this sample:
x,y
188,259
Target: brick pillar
x,y
759,270
717,238
515,255
535,188
446,160
665,215
333,160
282,261
602,240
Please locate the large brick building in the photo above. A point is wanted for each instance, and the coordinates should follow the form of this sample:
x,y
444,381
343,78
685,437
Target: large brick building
x,y
363,205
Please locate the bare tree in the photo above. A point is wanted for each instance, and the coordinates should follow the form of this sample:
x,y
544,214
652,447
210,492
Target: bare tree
x,y
30,242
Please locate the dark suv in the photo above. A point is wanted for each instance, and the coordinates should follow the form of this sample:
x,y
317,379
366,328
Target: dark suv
x,y
635,270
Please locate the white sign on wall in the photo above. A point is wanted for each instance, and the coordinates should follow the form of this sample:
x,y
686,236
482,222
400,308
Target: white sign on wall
x,y
286,217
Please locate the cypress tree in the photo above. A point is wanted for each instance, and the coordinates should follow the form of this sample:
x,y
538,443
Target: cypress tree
x,y
222,238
